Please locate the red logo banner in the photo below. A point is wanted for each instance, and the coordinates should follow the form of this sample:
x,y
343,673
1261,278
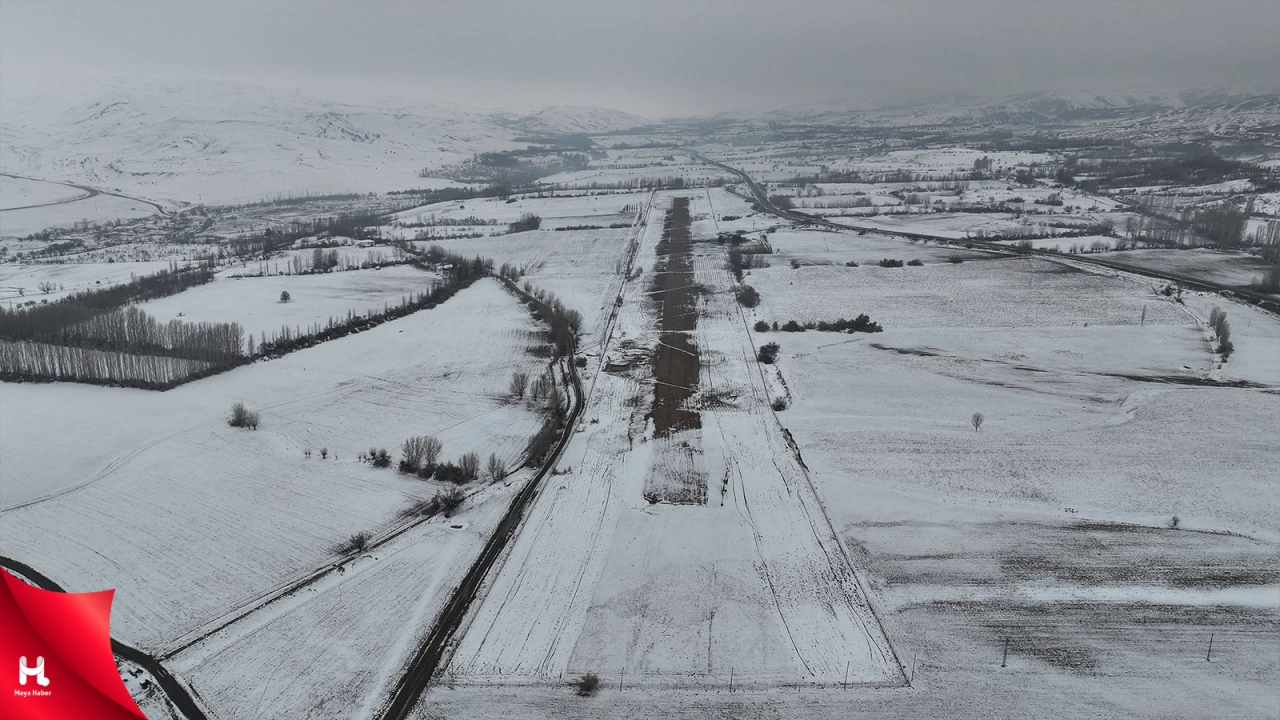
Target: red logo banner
x,y
55,655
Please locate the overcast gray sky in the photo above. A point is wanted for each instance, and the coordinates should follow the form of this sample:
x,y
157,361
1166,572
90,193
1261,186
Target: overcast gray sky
x,y
658,59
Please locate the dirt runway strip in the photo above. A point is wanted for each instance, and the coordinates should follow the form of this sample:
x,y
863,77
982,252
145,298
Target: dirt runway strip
x,y
676,364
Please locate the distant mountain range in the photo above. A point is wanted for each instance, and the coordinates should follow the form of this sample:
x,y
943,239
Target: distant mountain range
x,y
218,142
1033,108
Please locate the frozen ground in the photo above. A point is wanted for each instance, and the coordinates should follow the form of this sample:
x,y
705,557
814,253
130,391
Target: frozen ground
x,y
153,494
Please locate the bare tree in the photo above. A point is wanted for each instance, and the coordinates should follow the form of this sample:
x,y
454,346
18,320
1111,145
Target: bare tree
x,y
285,296
541,386
470,466
419,452
519,383
324,453
495,468
977,420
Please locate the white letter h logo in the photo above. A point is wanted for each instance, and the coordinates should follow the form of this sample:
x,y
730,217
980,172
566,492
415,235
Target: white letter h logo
x,y
37,671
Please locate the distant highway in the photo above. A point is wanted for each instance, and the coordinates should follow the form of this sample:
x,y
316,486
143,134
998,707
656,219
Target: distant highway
x,y
90,192
1261,300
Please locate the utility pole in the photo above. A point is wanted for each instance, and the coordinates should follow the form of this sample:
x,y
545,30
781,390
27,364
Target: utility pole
x,y
846,675
1004,661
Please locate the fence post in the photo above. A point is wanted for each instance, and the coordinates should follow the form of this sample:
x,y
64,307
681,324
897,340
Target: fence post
x,y
1210,651
1004,660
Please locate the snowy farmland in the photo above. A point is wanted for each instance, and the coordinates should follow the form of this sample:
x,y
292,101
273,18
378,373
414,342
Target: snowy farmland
x,y
203,517
254,302
1030,483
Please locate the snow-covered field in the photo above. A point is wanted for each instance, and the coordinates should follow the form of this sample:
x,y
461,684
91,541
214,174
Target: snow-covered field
x,y
751,583
833,518
101,208
19,192
1219,266
254,302
195,518
20,283
1009,292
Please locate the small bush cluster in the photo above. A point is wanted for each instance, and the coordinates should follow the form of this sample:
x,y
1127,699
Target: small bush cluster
x,y
748,296
851,263
890,263
588,684
779,404
915,263
242,417
379,458
761,326
527,221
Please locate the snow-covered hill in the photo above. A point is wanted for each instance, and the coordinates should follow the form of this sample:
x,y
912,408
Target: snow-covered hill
x,y
226,142
565,119
1203,107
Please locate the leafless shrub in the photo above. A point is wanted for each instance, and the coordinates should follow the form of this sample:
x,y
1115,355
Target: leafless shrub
x,y
449,499
357,543
241,416
495,468
976,420
519,383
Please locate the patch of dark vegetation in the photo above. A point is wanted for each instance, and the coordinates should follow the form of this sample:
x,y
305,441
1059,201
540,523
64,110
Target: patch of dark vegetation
x,y
587,685
768,353
906,351
889,263
1186,380
862,323
527,222
357,543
